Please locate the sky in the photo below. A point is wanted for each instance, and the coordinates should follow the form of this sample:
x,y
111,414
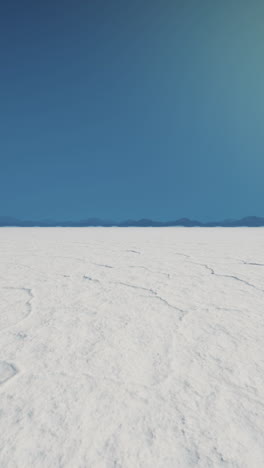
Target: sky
x,y
127,109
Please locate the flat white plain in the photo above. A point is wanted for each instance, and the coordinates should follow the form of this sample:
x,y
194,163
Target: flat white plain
x,y
130,348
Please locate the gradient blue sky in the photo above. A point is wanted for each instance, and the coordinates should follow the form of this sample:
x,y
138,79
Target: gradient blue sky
x,y
127,109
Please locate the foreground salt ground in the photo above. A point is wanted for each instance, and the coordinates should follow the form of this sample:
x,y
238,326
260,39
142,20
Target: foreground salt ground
x,y
131,348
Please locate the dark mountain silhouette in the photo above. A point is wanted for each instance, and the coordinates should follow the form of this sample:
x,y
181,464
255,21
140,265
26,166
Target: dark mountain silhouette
x,y
249,221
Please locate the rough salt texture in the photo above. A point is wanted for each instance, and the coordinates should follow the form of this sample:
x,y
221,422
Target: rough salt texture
x,y
130,348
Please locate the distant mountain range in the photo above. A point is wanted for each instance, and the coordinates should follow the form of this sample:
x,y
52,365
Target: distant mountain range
x,y
249,221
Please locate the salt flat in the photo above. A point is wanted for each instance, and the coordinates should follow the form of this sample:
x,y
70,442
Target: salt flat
x,y
128,348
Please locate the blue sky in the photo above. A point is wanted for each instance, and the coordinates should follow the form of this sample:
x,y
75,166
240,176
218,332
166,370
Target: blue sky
x,y
121,109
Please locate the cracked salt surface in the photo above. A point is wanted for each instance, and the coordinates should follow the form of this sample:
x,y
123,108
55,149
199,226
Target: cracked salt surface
x,y
131,348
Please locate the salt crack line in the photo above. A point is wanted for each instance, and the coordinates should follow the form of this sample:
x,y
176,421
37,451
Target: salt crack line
x,y
167,275
27,304
103,265
134,286
251,263
181,254
89,278
236,278
155,295
182,312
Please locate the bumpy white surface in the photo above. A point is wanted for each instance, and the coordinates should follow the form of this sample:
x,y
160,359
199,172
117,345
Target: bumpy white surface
x,y
130,348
